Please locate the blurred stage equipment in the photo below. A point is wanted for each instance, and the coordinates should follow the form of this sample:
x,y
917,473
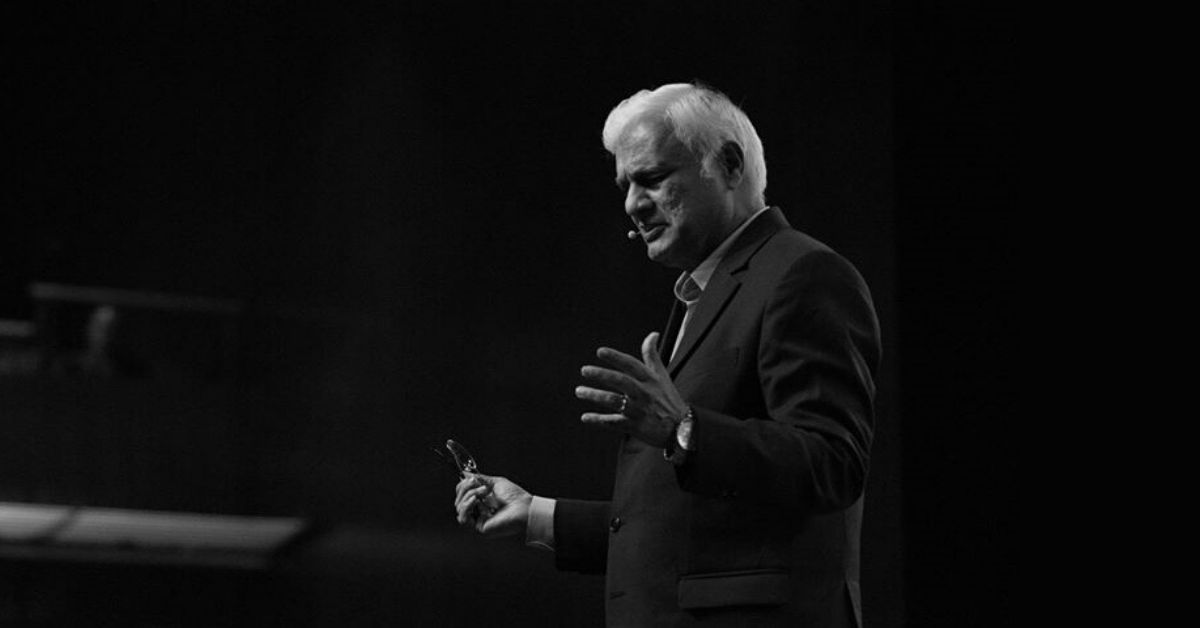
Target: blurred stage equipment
x,y
42,532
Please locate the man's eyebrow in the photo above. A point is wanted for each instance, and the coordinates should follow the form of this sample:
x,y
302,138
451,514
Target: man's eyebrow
x,y
645,170
627,175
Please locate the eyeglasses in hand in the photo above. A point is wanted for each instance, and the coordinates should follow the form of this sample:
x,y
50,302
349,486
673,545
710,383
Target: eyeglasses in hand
x,y
460,459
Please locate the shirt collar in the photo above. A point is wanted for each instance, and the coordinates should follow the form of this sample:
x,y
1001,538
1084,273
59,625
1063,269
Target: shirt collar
x,y
703,273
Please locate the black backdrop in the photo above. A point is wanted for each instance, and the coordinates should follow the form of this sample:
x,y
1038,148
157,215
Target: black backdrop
x,y
414,206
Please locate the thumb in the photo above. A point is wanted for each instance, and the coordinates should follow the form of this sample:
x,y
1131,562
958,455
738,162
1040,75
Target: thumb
x,y
481,479
650,352
487,480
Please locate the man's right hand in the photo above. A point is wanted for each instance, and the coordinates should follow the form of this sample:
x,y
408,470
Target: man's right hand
x,y
478,494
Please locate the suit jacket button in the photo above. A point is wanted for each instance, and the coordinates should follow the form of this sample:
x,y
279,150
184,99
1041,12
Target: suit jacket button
x,y
615,524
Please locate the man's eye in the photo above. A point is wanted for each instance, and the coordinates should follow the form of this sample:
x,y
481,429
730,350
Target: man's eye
x,y
652,180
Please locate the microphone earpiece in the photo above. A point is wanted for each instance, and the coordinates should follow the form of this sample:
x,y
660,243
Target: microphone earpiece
x,y
632,235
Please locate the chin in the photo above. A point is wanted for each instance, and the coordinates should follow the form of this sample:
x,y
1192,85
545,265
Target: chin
x,y
660,255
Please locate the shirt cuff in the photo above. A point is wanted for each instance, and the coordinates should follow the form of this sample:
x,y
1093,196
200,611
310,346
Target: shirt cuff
x,y
539,527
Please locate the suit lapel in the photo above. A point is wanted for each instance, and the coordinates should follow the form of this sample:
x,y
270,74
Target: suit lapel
x,y
666,341
724,284
720,290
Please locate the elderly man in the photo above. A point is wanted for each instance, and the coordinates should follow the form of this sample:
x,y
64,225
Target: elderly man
x,y
746,426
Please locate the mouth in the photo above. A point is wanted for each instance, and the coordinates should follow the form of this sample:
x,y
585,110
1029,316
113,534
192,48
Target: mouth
x,y
651,232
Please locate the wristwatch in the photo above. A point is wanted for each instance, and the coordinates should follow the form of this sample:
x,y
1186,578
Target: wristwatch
x,y
677,448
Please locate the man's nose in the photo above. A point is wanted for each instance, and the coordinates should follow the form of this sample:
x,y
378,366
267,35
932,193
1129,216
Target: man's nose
x,y
636,201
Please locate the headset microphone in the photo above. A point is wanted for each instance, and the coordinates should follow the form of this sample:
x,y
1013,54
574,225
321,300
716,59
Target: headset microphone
x,y
632,235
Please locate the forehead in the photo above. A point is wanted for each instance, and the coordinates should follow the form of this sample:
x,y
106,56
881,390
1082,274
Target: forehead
x,y
646,145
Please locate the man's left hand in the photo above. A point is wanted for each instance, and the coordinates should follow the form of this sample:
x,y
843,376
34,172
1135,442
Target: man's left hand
x,y
638,396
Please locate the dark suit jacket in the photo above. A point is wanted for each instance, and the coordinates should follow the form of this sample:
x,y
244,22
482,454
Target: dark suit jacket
x,y
760,526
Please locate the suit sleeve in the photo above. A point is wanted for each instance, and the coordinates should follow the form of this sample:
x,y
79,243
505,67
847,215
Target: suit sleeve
x,y
818,350
581,535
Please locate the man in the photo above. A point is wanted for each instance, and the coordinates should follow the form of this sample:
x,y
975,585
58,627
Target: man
x,y
738,491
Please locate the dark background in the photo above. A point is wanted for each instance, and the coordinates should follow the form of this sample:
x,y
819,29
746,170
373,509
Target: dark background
x,y
412,206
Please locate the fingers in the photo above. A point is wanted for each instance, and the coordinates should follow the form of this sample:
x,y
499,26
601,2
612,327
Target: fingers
x,y
470,493
471,481
623,362
602,397
463,485
609,379
467,505
611,421
628,377
650,353
641,371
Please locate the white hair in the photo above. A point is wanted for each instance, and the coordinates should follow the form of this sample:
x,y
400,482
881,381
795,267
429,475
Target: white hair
x,y
702,119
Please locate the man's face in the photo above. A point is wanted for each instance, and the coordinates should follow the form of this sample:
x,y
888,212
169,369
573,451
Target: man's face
x,y
681,215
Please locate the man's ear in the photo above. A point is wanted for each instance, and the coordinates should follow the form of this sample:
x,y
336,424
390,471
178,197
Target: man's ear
x,y
733,162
